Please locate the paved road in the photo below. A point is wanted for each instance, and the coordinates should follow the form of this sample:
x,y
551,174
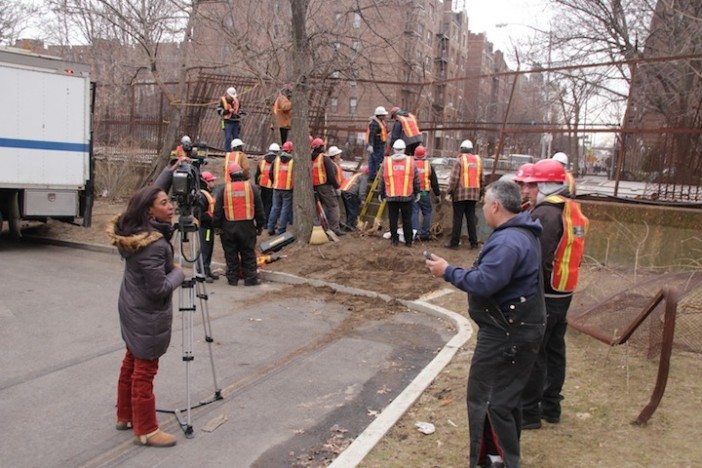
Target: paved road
x,y
291,368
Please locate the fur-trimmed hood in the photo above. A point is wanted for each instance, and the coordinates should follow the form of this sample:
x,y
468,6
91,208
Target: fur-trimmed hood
x,y
128,245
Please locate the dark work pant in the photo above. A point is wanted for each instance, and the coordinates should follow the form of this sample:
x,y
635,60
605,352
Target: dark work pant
x,y
423,206
136,402
239,244
267,199
374,162
352,204
395,209
284,135
330,204
231,131
460,209
206,247
542,395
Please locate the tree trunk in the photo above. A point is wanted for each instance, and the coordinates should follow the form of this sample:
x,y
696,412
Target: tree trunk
x,y
176,102
303,198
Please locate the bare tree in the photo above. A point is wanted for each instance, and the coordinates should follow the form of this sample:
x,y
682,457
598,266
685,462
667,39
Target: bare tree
x,y
15,17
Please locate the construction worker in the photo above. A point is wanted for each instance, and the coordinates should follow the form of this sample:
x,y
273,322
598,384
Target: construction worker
x,y
239,213
281,176
183,149
464,189
282,111
562,249
325,184
353,190
570,180
399,185
263,178
427,182
237,155
228,110
405,128
334,154
207,206
524,171
376,139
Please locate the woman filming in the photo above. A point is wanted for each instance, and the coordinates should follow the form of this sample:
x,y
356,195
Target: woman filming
x,y
142,235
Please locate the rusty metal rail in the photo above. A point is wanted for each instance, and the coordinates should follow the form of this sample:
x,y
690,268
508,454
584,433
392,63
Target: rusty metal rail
x,y
670,296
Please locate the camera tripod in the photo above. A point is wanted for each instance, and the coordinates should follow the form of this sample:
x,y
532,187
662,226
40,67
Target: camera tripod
x,y
192,289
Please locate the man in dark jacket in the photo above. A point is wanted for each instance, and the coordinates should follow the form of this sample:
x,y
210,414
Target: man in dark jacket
x,y
427,183
399,185
281,176
263,180
325,184
239,213
377,139
505,299
206,203
406,129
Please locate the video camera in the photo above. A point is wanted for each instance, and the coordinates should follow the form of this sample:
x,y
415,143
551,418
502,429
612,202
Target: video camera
x,y
186,184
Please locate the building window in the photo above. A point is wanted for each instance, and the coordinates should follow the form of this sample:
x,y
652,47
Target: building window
x,y
334,105
353,105
356,20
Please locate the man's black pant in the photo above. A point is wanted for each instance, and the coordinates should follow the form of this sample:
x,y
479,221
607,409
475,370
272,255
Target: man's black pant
x,y
542,395
460,209
394,211
206,248
283,134
409,150
239,244
267,199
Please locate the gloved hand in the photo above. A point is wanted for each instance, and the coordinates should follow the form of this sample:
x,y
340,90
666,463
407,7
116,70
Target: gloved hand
x,y
380,197
369,148
417,197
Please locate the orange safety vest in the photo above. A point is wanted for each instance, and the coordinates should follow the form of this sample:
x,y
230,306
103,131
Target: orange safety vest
x,y
339,173
178,152
229,109
232,157
571,247
319,172
264,168
210,202
349,183
570,181
410,129
239,201
282,174
398,175
424,173
471,170
383,131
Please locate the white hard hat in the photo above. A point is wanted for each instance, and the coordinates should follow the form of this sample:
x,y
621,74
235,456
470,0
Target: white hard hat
x,y
231,91
561,158
185,140
334,151
274,147
467,144
380,110
399,145
237,142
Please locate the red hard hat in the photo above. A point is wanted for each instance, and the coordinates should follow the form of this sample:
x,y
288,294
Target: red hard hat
x,y
524,171
207,176
288,146
394,111
234,168
420,152
547,170
317,143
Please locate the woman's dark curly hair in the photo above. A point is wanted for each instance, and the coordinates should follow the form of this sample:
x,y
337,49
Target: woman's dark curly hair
x,y
135,219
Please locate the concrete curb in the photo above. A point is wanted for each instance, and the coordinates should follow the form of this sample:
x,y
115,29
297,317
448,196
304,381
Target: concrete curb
x,y
369,438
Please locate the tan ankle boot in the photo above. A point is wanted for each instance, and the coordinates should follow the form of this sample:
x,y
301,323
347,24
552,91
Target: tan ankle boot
x,y
158,438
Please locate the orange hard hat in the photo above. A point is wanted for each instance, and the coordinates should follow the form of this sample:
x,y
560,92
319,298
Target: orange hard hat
x,y
288,146
420,151
234,168
547,170
524,171
317,143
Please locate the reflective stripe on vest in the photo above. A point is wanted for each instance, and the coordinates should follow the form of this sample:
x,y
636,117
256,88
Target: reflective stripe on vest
x,y
351,182
283,174
339,173
210,202
232,157
229,109
239,201
398,176
319,172
571,247
424,173
471,169
409,125
570,181
264,180
383,131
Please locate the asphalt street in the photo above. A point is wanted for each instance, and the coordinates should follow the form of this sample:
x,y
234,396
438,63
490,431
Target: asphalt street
x,y
293,376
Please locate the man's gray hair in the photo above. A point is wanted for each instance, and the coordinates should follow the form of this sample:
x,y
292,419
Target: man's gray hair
x,y
507,194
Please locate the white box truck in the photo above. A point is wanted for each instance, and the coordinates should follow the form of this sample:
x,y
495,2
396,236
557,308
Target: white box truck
x,y
46,165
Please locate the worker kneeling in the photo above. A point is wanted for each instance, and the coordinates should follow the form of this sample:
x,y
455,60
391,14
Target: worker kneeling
x,y
239,213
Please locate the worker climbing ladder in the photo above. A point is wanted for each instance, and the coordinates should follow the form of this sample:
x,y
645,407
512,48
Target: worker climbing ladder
x,y
372,208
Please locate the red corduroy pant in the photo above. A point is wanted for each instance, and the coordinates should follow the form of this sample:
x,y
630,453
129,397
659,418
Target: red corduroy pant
x,y
135,394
